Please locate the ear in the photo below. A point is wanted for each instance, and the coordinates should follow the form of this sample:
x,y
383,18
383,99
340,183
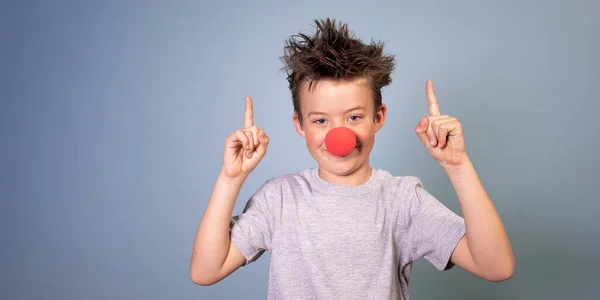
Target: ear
x,y
298,126
380,117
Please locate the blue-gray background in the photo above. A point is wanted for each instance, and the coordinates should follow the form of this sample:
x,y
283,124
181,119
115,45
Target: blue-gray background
x,y
113,116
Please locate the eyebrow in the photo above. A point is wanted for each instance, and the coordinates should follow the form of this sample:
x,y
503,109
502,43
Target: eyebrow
x,y
347,111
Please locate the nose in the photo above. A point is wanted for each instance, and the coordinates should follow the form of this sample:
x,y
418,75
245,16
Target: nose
x,y
340,141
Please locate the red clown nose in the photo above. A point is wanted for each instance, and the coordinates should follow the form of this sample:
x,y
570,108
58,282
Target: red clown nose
x,y
340,141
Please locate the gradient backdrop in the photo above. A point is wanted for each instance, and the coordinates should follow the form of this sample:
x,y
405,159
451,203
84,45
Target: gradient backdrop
x,y
113,116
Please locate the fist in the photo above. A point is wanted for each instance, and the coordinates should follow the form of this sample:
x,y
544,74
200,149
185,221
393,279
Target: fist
x,y
442,135
244,148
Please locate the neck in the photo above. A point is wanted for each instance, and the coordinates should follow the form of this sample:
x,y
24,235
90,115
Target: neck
x,y
355,178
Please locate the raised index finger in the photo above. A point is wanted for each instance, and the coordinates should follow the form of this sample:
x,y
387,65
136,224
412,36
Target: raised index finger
x,y
434,109
249,115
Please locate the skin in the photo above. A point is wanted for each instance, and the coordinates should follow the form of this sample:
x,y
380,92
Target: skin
x,y
335,104
214,256
484,250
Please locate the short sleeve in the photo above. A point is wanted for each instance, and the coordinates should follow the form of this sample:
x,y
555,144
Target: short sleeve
x,y
433,230
251,231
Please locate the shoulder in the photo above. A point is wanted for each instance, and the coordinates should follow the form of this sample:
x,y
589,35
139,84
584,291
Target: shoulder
x,y
405,193
292,181
405,185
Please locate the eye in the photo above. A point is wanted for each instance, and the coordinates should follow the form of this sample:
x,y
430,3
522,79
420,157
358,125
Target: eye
x,y
319,121
354,118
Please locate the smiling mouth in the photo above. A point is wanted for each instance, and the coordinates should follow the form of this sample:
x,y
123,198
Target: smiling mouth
x,y
358,145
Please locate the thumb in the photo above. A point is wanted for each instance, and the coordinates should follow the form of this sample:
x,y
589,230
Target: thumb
x,y
261,150
421,130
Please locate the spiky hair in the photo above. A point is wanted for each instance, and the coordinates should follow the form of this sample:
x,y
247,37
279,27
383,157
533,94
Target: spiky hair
x,y
334,52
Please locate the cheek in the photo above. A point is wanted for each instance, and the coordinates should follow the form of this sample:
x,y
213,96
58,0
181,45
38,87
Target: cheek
x,y
366,136
315,138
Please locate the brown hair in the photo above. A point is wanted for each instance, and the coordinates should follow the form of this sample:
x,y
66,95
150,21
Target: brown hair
x,y
334,52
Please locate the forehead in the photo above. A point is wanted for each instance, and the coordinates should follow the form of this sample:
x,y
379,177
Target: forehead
x,y
330,96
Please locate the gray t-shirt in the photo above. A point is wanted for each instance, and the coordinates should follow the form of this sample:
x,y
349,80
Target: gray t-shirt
x,y
338,242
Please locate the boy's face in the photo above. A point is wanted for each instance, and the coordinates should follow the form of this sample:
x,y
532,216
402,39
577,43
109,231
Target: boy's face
x,y
331,104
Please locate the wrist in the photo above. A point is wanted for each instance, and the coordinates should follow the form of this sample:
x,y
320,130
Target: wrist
x,y
459,168
236,181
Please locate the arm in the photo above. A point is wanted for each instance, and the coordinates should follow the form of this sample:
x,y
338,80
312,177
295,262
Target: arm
x,y
485,249
214,256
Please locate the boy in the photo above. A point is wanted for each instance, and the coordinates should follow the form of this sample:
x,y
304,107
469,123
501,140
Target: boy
x,y
346,230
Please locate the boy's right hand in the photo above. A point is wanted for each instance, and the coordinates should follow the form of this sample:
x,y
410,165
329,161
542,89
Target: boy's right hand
x,y
244,148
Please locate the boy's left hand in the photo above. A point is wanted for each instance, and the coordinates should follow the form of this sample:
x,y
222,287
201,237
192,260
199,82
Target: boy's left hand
x,y
442,135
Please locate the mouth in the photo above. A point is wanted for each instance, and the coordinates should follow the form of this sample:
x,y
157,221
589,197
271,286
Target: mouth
x,y
357,146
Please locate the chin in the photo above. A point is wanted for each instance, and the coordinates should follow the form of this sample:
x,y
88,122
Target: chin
x,y
342,166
